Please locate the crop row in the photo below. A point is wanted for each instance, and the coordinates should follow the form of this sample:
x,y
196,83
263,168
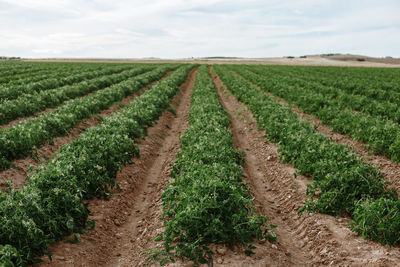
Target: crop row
x,y
382,135
27,77
50,206
28,72
10,71
10,93
370,104
359,79
377,78
341,181
60,71
29,104
18,140
378,91
372,82
206,200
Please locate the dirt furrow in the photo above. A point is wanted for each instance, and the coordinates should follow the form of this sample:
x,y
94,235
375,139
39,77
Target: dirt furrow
x,y
127,224
390,169
20,169
309,240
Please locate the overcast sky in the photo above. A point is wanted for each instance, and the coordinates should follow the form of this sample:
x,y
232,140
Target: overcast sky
x,y
198,28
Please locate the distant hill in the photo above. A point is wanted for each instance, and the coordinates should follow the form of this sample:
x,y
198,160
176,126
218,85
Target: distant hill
x,y
220,57
350,57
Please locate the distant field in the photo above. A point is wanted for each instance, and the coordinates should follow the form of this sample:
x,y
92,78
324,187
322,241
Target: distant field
x,y
262,162
313,60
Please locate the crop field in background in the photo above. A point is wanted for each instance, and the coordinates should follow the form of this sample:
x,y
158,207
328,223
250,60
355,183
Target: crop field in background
x,y
140,164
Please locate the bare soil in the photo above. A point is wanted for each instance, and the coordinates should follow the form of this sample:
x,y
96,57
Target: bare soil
x,y
21,167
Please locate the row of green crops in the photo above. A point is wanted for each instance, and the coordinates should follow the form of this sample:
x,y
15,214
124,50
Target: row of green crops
x,y
376,83
18,140
366,81
12,92
50,206
369,104
38,74
10,71
30,72
28,104
382,135
342,183
379,90
206,200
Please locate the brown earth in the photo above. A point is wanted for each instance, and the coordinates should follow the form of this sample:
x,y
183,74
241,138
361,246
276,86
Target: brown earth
x,y
127,224
21,167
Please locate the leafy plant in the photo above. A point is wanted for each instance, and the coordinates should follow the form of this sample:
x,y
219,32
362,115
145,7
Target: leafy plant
x,y
378,220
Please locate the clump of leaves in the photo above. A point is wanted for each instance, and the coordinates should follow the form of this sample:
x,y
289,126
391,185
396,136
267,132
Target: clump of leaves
x,y
9,256
378,220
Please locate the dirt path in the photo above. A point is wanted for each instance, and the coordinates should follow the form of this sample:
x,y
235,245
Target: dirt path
x,y
127,224
19,172
309,240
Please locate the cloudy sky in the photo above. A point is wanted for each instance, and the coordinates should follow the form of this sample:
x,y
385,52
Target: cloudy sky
x,y
198,28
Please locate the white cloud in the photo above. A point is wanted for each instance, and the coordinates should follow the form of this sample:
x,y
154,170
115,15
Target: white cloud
x,y
178,28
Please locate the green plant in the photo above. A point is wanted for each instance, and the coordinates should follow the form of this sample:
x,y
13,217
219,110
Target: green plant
x,y
378,220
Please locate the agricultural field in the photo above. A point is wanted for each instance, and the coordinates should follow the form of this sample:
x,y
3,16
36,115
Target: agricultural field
x,y
142,164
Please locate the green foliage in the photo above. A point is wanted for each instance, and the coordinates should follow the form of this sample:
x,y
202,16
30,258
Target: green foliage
x,y
9,91
378,220
377,123
30,103
346,182
9,256
18,140
41,72
340,178
50,206
206,201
